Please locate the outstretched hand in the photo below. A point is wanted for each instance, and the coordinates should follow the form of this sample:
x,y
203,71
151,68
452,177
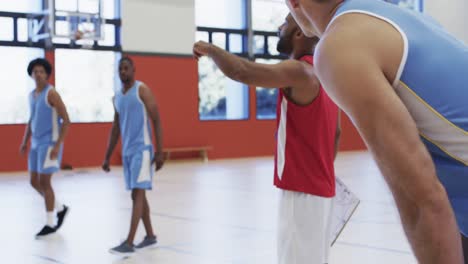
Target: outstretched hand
x,y
200,49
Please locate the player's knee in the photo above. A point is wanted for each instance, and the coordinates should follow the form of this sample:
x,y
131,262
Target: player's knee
x,y
35,184
45,184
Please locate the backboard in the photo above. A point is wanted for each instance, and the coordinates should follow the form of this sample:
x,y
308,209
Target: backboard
x,y
71,19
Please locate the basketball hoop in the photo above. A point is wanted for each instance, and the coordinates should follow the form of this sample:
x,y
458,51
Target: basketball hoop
x,y
84,34
79,34
82,28
85,38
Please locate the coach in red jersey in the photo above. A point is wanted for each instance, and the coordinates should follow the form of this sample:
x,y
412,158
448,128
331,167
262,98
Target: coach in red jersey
x,y
307,139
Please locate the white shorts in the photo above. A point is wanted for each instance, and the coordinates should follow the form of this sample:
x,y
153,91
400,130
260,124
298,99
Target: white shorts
x,y
304,223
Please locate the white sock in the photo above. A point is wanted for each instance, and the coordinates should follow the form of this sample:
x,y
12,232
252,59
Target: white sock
x,y
50,219
58,206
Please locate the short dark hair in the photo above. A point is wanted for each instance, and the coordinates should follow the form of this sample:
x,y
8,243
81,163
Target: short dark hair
x,y
127,59
40,62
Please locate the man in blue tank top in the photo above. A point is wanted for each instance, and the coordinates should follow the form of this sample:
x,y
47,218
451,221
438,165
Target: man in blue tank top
x,y
135,111
47,127
403,80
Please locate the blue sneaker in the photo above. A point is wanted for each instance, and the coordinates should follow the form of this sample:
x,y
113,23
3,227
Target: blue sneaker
x,y
123,249
148,242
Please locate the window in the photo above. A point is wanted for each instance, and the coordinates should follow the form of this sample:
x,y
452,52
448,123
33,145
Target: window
x,y
16,84
268,15
89,6
410,4
7,23
87,92
14,24
21,6
221,98
109,11
229,13
266,99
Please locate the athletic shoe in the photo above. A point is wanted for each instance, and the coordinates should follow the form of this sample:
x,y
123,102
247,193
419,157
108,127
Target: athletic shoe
x,y
46,230
148,242
61,216
123,249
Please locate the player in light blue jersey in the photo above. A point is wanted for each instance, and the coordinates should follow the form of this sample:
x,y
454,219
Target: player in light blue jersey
x,y
135,111
403,80
47,127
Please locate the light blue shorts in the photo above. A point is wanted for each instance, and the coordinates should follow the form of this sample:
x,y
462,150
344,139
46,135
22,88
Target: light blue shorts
x,y
139,170
39,159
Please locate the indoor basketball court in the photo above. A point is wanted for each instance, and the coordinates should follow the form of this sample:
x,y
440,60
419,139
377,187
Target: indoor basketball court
x,y
225,145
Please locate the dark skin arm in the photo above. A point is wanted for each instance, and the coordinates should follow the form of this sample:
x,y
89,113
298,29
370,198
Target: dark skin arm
x,y
357,68
56,101
113,139
26,137
294,74
152,109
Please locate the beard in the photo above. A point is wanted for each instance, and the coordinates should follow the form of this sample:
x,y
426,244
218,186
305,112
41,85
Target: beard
x,y
124,79
284,46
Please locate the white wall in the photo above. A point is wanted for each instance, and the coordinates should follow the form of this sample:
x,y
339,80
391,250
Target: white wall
x,y
168,26
452,14
160,26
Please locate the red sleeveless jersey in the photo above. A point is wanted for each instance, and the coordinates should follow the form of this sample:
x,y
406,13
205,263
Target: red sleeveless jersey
x,y
306,144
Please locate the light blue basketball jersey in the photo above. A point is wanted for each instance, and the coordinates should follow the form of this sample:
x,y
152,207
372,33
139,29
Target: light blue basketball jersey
x,y
135,127
45,122
433,84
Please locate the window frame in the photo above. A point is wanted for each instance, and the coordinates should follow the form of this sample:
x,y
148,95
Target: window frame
x,y
116,22
244,33
249,35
